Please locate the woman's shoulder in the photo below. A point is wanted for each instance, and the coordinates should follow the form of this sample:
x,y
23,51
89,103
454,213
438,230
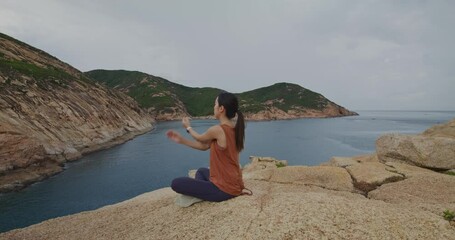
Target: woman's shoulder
x,y
221,128
215,129
225,125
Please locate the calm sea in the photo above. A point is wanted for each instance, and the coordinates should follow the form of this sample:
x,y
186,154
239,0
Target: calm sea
x,y
150,161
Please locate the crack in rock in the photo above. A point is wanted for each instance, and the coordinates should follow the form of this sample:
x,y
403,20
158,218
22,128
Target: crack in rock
x,y
365,187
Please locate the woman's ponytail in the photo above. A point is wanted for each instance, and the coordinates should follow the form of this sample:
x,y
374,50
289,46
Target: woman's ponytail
x,y
230,102
240,131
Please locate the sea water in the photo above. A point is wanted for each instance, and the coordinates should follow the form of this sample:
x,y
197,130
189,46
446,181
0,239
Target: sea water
x,y
151,161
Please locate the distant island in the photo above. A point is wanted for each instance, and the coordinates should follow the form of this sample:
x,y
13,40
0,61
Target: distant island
x,y
166,100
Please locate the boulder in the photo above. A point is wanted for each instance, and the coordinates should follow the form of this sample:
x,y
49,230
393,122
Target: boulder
x,y
423,188
367,176
263,174
407,170
434,148
429,152
266,168
441,130
340,162
328,177
258,163
348,161
261,168
434,188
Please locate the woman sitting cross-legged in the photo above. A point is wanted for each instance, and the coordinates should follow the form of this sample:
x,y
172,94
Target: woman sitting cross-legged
x,y
225,140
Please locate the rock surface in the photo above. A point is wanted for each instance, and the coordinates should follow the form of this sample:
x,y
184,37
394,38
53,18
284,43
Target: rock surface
x,y
435,148
288,203
53,114
349,161
367,176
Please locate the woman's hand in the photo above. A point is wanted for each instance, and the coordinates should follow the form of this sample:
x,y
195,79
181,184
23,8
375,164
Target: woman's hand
x,y
174,136
186,122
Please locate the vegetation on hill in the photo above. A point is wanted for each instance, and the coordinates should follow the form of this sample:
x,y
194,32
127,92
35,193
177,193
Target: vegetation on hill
x,y
45,71
147,90
11,67
158,93
284,96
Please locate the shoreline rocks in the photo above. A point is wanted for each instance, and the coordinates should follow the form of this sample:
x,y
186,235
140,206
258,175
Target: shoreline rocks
x,y
290,202
32,139
273,113
263,116
434,148
19,178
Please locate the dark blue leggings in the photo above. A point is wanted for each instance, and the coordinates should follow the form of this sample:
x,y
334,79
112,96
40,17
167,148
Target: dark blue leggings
x,y
201,187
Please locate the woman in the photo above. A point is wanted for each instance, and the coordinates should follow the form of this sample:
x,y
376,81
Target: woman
x,y
224,179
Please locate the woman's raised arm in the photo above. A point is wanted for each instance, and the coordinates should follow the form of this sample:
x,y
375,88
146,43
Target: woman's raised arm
x,y
176,137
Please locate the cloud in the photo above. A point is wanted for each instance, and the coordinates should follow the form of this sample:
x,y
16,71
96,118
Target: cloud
x,y
360,54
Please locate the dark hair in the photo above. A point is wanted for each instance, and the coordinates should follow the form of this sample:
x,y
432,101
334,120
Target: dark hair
x,y
231,104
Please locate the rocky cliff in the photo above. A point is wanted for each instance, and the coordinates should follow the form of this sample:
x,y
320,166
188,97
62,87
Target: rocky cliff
x,y
51,113
362,197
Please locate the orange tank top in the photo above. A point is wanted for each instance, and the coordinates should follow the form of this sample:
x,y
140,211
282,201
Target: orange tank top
x,y
225,170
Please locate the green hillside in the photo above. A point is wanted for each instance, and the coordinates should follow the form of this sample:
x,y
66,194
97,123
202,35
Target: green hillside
x,y
152,91
198,101
145,89
285,96
46,71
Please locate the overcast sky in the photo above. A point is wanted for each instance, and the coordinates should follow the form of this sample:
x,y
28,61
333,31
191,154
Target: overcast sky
x,y
363,55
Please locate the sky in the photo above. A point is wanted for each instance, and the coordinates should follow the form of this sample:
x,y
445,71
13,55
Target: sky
x,y
363,55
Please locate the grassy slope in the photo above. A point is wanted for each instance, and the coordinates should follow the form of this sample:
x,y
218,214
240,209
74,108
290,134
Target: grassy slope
x,y
292,95
199,101
43,76
149,93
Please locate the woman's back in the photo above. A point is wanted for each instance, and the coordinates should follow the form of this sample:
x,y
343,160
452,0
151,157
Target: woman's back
x,y
225,170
